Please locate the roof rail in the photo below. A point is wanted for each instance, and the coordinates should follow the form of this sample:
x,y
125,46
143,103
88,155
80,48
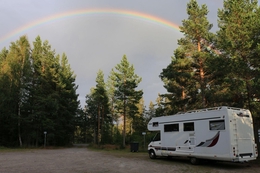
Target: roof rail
x,y
238,109
201,110
211,109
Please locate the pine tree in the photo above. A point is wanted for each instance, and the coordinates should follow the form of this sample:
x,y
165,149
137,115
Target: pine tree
x,y
91,111
150,112
238,39
101,99
67,100
187,77
161,106
19,61
97,109
110,88
15,71
177,78
195,43
138,121
126,82
44,97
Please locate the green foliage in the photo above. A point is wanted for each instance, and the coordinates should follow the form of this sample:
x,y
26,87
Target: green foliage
x,y
40,95
187,77
97,109
213,70
126,82
238,40
107,102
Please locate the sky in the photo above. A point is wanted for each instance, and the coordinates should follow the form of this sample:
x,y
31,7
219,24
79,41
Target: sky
x,y
95,34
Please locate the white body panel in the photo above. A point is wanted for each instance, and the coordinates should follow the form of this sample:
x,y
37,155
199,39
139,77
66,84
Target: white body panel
x,y
221,133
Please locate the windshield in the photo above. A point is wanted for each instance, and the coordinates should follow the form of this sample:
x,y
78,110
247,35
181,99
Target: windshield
x,y
157,137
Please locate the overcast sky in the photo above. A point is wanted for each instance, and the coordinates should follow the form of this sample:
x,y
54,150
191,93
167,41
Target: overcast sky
x,y
99,39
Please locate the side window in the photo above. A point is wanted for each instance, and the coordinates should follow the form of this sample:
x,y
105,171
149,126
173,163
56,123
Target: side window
x,y
171,127
217,125
188,126
242,115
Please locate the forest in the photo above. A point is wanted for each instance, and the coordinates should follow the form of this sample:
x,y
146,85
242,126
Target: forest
x,y
38,90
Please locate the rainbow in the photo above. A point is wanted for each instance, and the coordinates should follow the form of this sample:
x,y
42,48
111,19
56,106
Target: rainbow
x,y
82,12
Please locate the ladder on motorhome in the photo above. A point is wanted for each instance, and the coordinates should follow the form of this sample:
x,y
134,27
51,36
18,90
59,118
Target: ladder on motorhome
x,y
235,136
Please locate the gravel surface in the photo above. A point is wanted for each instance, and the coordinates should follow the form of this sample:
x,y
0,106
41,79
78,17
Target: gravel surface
x,y
83,160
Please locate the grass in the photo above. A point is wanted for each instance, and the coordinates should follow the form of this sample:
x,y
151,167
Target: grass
x,y
5,149
2,148
24,149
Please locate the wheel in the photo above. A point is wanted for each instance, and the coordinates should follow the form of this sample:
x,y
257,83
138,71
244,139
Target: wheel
x,y
152,154
194,161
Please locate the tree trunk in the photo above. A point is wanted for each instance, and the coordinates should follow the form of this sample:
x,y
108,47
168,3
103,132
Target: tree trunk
x,y
248,88
202,77
102,124
124,123
98,129
19,126
183,97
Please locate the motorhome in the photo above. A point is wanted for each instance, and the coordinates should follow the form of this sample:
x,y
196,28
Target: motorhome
x,y
219,133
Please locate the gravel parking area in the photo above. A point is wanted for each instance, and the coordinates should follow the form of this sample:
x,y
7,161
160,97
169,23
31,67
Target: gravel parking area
x,y
83,160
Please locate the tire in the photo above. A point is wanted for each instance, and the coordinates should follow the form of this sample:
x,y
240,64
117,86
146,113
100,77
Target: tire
x,y
152,154
194,161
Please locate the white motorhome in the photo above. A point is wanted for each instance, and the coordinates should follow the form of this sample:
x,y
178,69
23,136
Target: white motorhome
x,y
219,133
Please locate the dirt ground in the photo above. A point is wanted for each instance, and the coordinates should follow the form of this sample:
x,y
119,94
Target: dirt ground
x,y
83,160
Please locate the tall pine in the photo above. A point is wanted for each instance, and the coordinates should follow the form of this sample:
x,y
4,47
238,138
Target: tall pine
x,y
238,39
126,93
101,99
187,76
